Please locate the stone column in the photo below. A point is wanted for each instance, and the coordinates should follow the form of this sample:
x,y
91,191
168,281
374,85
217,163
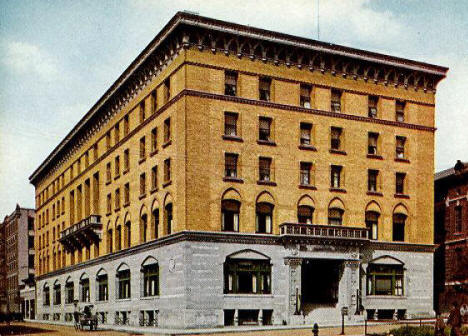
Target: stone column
x,y
236,317
352,285
295,289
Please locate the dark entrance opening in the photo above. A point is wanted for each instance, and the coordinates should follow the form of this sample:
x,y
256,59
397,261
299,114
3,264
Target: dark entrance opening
x,y
320,279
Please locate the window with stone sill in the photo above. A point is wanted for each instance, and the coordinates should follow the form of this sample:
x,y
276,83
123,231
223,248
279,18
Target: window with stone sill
x,y
265,88
400,183
154,178
372,180
117,166
264,167
150,275
167,170
108,172
372,102
385,280
264,129
167,89
109,203
142,112
264,218
142,184
142,148
336,101
400,147
305,173
230,165
230,83
230,124
116,133
123,284
336,135
247,276
399,223
400,111
126,160
154,139
335,178
230,210
372,223
335,216
373,139
102,287
167,130
306,134
126,127
305,214
305,93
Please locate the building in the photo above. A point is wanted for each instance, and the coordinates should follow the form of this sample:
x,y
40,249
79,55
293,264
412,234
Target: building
x,y
233,176
18,251
3,282
451,236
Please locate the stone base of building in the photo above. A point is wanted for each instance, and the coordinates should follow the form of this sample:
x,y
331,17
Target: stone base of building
x,y
209,279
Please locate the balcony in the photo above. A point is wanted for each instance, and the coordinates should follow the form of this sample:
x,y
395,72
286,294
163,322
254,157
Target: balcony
x,y
324,232
84,233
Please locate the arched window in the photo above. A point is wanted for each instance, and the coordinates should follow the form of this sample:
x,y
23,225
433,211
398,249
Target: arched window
x,y
109,241
150,277
102,285
155,222
57,293
372,223
46,299
69,291
305,214
230,215
169,217
118,237
264,217
123,282
385,276
144,228
335,216
399,222
128,234
84,286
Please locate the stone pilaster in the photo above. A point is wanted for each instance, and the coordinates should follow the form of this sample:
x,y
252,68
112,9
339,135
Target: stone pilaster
x,y
295,289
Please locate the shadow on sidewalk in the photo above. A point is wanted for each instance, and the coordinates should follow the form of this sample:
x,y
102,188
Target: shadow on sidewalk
x,y
22,330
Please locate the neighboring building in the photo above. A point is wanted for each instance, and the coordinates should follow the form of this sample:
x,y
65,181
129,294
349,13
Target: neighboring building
x,y
18,233
3,282
235,176
451,236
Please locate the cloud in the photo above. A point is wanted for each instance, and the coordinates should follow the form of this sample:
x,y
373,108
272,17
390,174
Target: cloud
x,y
23,58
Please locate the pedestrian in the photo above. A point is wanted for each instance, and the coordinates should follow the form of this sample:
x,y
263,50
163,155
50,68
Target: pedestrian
x,y
439,326
454,320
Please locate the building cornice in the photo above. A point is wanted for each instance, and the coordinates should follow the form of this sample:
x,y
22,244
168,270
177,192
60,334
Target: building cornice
x,y
186,30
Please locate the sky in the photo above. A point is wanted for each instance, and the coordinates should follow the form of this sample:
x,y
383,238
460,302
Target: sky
x,y
57,58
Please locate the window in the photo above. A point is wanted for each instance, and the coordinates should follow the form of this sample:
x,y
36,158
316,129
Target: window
x,y
305,95
372,176
154,140
167,130
108,140
116,133
336,133
264,129
335,216
458,219
69,292
102,287
230,164
399,221
400,183
57,294
372,222
243,276
385,280
150,279
154,102
167,170
142,111
400,147
264,217
85,290
400,111
117,166
118,238
230,215
109,203
128,234
155,219
126,125
117,199
230,83
305,214
108,172
142,184
306,132
305,173
335,179
335,101
264,88
86,162
372,143
230,124
142,148
372,102
144,228
109,241
169,217
167,89
264,167
154,178
123,284
126,160
95,156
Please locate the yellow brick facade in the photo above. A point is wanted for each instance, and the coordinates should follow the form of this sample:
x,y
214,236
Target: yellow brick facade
x,y
196,107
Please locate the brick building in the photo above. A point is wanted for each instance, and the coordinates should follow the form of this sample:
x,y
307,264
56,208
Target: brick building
x,y
3,282
451,236
223,171
18,250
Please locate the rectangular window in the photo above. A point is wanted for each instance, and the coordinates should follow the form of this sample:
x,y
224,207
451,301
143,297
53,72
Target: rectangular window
x,y
458,219
400,111
116,133
150,280
230,165
167,130
373,100
86,162
154,102
400,147
305,95
126,194
265,88
123,278
154,140
400,183
117,166
372,176
154,178
230,124
126,160
335,181
142,111
264,129
117,199
142,148
385,280
306,134
230,83
264,167
305,177
102,284
247,277
335,101
167,90
372,143
336,133
108,172
108,140
167,170
126,125
109,203
142,184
